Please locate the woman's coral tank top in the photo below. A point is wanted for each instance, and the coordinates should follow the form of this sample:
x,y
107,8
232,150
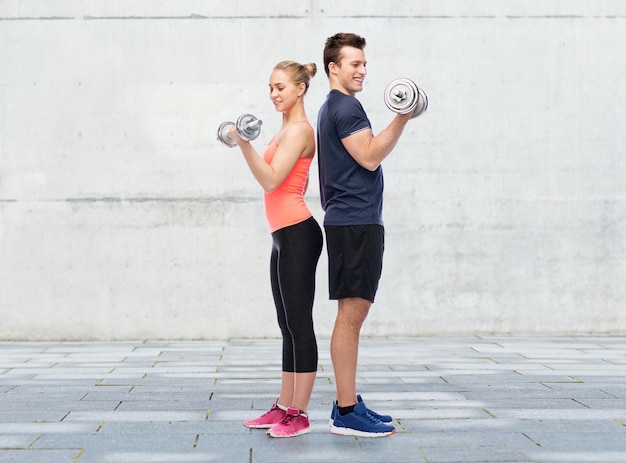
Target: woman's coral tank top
x,y
285,205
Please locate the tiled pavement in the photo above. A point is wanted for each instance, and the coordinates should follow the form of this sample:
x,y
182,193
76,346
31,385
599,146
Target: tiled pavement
x,y
476,399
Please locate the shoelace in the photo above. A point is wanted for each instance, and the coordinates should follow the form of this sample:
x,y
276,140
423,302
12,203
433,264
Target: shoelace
x,y
289,418
372,419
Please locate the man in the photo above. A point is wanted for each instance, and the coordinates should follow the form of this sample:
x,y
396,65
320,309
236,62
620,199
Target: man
x,y
351,189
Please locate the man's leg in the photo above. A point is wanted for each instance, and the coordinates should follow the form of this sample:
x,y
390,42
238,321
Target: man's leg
x,y
344,346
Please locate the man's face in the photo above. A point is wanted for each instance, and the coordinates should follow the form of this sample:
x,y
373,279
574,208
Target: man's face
x,y
350,72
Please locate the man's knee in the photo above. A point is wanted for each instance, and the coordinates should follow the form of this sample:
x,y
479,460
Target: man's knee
x,y
354,310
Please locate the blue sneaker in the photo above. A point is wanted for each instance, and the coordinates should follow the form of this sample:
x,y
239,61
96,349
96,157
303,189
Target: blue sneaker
x,y
384,418
360,423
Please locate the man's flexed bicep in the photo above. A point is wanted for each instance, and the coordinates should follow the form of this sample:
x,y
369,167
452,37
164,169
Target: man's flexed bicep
x,y
368,151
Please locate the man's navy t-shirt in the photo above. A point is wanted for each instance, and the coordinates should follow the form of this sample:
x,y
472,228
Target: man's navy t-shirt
x,y
350,194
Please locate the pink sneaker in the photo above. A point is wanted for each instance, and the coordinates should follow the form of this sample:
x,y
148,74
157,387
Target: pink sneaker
x,y
293,424
267,419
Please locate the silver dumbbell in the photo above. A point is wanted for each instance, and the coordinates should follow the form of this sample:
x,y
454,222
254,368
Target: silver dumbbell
x,y
403,96
248,127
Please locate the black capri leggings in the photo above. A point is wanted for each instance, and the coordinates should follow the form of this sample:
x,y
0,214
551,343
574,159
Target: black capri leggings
x,y
295,253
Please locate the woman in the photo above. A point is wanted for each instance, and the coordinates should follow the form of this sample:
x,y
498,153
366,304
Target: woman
x,y
282,171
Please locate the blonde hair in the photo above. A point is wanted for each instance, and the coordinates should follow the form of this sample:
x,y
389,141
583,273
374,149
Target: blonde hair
x,y
299,73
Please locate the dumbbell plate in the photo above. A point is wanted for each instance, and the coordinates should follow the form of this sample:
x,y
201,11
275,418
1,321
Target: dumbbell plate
x,y
401,96
422,103
222,134
248,126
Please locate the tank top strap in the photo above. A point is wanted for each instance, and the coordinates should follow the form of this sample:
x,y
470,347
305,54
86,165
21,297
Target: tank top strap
x,y
304,121
276,137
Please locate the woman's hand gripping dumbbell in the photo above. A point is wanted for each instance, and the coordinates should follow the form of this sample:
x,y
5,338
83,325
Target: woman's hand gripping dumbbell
x,y
248,127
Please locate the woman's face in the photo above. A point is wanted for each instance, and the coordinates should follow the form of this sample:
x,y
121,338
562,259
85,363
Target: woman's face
x,y
283,92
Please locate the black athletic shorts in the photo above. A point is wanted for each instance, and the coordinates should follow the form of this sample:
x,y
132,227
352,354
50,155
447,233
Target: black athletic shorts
x,y
355,260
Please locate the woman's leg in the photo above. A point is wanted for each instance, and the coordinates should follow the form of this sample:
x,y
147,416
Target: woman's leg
x,y
287,383
298,253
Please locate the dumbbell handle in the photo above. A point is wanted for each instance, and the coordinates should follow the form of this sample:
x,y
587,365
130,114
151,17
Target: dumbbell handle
x,y
254,124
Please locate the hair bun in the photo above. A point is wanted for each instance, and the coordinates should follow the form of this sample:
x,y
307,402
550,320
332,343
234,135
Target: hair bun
x,y
311,69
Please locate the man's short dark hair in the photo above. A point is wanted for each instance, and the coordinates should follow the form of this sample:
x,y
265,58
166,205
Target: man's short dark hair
x,y
334,44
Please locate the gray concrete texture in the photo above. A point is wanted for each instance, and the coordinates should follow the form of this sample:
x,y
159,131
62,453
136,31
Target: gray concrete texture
x,y
473,399
122,217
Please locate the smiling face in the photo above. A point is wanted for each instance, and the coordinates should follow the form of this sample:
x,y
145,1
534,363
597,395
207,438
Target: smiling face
x,y
284,93
348,75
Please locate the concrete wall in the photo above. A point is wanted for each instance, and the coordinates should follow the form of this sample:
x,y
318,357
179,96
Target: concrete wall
x,y
121,216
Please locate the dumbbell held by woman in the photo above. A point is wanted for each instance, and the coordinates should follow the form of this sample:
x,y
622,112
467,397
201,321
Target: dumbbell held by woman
x,y
248,126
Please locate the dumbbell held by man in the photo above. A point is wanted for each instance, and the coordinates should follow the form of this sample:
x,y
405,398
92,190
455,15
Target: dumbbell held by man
x,y
403,96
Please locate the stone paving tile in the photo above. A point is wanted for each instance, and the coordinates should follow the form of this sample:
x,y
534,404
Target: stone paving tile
x,y
474,399
40,456
552,391
579,457
553,413
53,406
579,441
604,403
474,438
29,416
514,425
172,441
474,453
15,441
